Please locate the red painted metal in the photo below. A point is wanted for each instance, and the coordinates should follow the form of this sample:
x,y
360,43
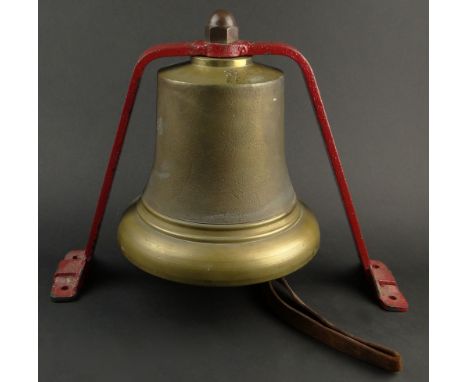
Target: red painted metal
x,y
69,276
238,49
389,295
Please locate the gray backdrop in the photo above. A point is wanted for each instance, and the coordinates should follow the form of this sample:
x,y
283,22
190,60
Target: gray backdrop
x,y
371,62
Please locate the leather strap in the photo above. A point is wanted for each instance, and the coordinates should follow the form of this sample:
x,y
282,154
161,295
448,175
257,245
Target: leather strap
x,y
289,307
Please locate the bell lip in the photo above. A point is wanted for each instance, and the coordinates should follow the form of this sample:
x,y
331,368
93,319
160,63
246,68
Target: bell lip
x,y
218,233
218,226
219,263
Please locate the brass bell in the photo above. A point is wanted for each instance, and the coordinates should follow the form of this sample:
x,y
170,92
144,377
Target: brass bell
x,y
219,207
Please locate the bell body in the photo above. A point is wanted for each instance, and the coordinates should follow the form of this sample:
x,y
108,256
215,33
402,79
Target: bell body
x,y
219,207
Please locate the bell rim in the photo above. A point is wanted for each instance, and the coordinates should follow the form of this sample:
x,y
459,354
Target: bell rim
x,y
231,263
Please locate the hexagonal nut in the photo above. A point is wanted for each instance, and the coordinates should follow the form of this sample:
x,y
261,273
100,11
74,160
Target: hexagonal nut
x,y
222,34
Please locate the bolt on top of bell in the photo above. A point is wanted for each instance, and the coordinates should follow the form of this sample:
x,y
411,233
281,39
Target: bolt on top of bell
x,y
222,28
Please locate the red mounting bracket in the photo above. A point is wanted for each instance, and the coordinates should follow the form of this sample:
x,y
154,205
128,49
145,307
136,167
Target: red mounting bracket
x,y
389,295
68,278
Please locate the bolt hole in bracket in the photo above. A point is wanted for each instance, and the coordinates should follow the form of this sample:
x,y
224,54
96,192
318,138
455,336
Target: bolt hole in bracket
x,y
72,268
389,294
68,277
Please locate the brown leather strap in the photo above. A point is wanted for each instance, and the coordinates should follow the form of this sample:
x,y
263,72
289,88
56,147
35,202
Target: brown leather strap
x,y
295,312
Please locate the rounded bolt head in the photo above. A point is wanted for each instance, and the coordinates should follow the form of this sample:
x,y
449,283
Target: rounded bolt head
x,y
222,28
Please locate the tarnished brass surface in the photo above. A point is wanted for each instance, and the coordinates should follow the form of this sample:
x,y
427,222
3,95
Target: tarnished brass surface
x,y
219,207
222,255
219,155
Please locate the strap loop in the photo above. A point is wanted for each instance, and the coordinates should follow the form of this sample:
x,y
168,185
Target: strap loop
x,y
289,307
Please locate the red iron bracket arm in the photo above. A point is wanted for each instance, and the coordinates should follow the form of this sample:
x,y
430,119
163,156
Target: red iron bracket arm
x,y
69,275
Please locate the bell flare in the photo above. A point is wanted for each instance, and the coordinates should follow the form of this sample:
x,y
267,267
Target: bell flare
x,y
218,255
